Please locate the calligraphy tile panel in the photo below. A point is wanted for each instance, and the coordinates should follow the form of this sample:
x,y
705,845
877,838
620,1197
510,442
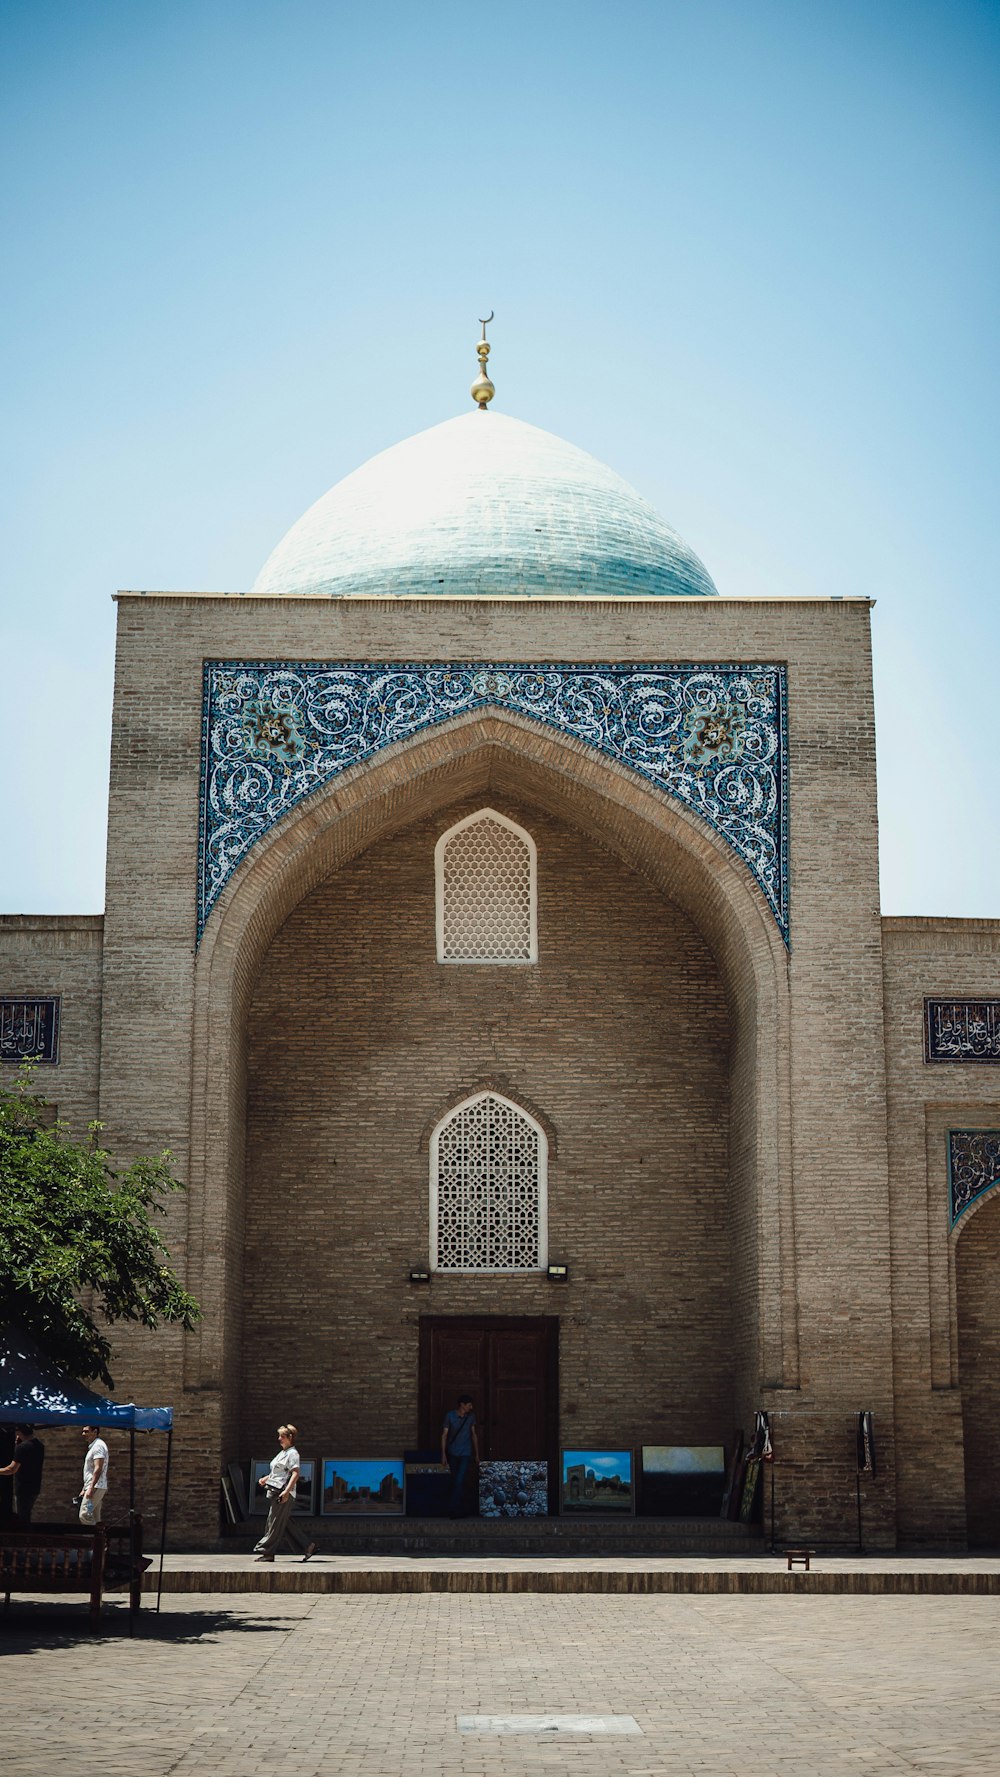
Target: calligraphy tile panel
x,y
29,1029
714,736
973,1166
962,1030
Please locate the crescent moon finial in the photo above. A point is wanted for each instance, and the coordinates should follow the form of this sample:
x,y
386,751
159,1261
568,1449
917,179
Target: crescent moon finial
x,y
482,390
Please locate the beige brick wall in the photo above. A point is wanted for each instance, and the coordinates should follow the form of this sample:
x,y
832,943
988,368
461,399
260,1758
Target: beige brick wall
x,y
808,1224
43,955
935,1367
617,1040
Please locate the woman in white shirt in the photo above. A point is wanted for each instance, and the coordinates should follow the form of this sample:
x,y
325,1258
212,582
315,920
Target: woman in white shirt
x,y
279,1484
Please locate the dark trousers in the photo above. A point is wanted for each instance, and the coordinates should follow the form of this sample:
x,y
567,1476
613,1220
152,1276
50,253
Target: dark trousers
x,y
459,1466
24,1504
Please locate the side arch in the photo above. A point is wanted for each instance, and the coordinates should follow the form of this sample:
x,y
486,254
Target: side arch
x,y
496,752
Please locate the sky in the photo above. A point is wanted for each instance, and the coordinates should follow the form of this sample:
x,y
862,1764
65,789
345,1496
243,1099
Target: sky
x,y
746,253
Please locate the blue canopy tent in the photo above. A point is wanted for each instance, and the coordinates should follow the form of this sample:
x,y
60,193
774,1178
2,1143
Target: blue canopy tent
x,y
36,1391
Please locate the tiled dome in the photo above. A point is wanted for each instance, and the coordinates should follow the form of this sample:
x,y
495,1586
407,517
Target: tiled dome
x,y
483,506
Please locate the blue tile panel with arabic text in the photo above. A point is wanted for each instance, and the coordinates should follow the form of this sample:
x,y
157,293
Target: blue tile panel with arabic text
x,y
962,1030
713,736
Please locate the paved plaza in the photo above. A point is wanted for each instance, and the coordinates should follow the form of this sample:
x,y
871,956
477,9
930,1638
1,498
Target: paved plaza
x,y
236,1686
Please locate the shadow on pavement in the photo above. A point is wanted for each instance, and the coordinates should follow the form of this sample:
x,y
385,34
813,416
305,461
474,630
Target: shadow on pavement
x,y
30,1627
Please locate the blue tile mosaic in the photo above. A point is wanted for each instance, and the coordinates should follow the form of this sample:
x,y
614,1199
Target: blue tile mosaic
x,y
973,1166
962,1030
714,736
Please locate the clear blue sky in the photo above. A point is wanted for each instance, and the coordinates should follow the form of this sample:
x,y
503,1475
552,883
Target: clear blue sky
x,y
746,253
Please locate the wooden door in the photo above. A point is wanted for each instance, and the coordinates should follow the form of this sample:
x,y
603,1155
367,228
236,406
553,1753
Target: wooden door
x,y
509,1367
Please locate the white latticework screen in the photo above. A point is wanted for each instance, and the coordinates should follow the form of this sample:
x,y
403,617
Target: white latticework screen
x,y
488,1189
486,893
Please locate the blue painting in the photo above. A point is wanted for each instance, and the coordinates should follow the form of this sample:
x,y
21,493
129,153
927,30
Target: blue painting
x,y
597,1482
362,1486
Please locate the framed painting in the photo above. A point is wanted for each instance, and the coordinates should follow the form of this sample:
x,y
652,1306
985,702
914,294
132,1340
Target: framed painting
x,y
596,1483
305,1491
428,1484
513,1489
363,1486
682,1480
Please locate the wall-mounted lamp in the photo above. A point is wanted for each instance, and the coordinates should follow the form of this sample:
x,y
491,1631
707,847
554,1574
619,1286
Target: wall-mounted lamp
x,y
420,1276
557,1273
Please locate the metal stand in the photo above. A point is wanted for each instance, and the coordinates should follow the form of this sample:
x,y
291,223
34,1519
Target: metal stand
x,y
131,1532
861,1540
163,1523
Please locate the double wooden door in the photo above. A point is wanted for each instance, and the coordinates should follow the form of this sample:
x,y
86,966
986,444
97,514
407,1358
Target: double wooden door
x,y
510,1369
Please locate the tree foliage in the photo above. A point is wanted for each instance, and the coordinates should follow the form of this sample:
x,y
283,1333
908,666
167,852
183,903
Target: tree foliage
x,y
78,1239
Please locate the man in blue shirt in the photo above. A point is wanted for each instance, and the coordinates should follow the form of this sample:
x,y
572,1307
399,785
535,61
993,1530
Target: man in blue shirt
x,y
459,1448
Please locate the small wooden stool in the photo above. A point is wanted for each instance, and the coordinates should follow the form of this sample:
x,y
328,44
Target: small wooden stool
x,y
799,1558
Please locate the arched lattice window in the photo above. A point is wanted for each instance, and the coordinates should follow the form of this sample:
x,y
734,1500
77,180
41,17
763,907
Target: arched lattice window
x,y
486,868
488,1188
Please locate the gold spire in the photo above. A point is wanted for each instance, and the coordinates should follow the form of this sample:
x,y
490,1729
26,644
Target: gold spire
x,y
482,390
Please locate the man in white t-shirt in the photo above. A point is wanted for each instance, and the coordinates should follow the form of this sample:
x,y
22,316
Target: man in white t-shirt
x,y
95,1476
279,1484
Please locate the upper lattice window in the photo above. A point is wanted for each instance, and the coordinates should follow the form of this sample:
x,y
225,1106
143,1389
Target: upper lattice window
x,y
486,892
488,1189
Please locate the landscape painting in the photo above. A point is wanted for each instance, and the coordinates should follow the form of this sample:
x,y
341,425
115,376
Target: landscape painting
x,y
362,1486
513,1489
597,1482
682,1480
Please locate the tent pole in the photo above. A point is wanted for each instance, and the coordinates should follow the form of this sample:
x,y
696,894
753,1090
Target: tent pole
x,y
131,1528
163,1525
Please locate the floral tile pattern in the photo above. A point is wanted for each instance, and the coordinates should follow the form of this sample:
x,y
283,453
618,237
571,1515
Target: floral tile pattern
x,y
714,736
973,1166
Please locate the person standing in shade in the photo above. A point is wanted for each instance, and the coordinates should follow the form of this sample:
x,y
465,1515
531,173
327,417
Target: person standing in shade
x,y
279,1484
95,1476
459,1449
26,1468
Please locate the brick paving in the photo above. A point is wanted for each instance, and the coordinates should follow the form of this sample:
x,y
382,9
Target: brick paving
x,y
358,1685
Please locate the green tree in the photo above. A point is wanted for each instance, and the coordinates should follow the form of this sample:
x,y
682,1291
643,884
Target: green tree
x,y
71,1225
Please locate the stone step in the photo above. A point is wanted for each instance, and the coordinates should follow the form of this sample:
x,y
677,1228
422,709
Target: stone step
x,y
767,1576
518,1536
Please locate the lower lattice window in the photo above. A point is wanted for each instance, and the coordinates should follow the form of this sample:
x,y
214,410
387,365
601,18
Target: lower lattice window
x,y
488,1188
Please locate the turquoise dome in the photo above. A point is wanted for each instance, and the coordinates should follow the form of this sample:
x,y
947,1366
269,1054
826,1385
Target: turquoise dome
x,y
483,506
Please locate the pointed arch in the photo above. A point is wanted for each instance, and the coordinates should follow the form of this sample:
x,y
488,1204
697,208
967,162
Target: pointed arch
x,y
488,1188
486,891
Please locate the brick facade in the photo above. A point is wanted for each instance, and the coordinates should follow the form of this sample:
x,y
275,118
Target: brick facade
x,y
746,1178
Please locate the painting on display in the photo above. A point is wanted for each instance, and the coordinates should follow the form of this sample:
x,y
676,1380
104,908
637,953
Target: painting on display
x,y
428,1484
305,1489
363,1486
597,1482
751,1485
682,1480
513,1489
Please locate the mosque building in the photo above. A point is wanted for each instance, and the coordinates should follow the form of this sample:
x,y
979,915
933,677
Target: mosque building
x,y
493,937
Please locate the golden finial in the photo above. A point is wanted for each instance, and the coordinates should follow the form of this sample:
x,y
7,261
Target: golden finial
x,y
482,390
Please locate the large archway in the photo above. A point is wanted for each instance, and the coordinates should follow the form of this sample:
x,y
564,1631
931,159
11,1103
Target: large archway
x,y
977,1291
498,756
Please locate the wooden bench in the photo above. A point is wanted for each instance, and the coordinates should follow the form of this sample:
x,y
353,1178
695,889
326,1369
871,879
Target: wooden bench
x,y
799,1558
60,1558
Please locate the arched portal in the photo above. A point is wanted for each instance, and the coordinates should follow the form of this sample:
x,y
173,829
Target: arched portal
x,y
977,1280
671,857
